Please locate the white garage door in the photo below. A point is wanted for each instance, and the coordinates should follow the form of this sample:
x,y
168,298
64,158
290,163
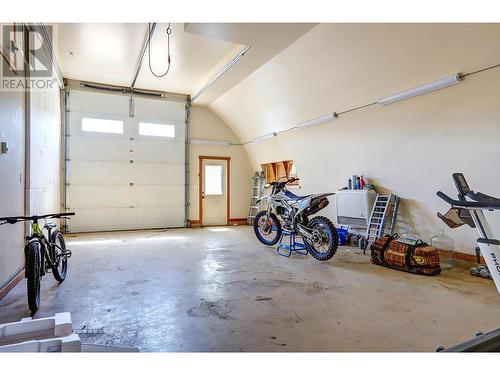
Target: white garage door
x,y
123,172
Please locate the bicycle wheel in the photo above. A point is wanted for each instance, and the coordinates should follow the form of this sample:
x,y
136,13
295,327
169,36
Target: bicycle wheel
x,y
33,267
60,268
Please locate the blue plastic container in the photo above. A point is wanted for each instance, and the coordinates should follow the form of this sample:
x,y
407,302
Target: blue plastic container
x,y
342,235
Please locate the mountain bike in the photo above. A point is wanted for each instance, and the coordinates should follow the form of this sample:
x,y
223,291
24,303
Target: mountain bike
x,y
43,253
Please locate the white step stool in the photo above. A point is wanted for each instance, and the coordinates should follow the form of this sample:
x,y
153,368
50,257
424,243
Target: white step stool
x,y
40,335
70,343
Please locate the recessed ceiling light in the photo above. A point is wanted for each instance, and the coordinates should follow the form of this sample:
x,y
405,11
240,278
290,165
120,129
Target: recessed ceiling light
x,y
71,54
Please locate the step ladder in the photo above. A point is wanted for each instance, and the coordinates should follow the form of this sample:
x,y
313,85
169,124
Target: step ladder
x,y
383,218
258,182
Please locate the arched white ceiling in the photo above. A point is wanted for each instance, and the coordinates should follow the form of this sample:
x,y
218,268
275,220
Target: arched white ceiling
x,y
109,53
335,67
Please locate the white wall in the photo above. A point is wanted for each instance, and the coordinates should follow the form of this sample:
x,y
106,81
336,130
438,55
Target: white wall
x,y
411,147
11,184
43,194
45,152
204,124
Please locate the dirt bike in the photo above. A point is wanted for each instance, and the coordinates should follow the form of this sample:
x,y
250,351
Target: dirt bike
x,y
292,212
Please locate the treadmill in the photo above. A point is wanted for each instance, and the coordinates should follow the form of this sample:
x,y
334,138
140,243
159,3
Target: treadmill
x,y
468,209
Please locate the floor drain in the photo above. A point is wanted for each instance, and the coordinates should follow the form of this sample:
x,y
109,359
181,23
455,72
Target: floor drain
x,y
89,331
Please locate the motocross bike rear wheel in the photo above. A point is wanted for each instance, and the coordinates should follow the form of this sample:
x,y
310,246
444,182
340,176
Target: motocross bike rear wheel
x,y
267,228
324,243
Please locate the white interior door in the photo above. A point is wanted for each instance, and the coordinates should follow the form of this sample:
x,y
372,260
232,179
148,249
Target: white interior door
x,y
214,192
125,172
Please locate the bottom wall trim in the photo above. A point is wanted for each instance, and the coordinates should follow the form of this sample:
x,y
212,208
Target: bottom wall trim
x,y
11,284
238,221
233,221
194,223
463,256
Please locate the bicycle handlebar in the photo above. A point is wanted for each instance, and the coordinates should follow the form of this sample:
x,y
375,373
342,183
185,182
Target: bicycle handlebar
x,y
15,219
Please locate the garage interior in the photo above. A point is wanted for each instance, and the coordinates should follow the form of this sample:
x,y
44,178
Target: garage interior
x,y
163,137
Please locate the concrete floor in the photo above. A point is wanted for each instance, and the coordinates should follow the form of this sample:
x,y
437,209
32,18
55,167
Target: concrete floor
x,y
218,289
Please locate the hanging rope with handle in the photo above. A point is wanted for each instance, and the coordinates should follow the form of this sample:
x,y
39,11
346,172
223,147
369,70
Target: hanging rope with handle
x,y
169,32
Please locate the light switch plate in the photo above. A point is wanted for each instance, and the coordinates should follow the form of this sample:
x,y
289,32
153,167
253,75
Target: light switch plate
x,y
4,147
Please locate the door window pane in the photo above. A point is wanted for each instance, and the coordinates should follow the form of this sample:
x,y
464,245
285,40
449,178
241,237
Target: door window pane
x,y
213,180
157,130
102,125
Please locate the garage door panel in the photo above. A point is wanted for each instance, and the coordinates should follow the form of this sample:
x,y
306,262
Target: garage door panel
x,y
157,173
98,148
95,172
160,217
103,219
98,103
88,196
152,151
124,181
158,195
172,111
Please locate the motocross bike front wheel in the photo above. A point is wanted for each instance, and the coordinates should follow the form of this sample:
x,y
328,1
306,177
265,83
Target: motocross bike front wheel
x,y
324,242
267,228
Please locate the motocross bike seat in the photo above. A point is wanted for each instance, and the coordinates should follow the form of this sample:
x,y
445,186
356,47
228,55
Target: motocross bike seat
x,y
291,195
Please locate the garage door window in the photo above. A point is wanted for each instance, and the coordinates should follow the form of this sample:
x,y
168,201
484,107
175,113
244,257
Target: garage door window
x,y
102,125
157,130
213,180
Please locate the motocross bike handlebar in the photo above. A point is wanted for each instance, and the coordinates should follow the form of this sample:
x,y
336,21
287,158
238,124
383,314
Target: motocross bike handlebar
x,y
283,183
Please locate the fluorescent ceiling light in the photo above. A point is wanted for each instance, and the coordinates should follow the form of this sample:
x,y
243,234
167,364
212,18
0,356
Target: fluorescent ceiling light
x,y
264,137
212,142
422,89
317,121
221,72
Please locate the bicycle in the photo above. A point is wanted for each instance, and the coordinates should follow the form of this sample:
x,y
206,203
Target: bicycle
x,y
42,253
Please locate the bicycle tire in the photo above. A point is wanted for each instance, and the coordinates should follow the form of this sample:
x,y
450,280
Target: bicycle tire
x,y
33,269
59,274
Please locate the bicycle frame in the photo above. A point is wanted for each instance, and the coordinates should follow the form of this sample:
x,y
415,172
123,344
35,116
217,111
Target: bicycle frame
x,y
47,248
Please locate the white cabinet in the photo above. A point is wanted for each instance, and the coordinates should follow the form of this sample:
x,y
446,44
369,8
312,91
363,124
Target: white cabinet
x,y
354,207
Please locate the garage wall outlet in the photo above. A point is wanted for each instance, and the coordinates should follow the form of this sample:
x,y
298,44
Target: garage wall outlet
x,y
4,148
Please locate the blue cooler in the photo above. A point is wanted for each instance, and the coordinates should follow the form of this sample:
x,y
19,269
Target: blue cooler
x,y
342,235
